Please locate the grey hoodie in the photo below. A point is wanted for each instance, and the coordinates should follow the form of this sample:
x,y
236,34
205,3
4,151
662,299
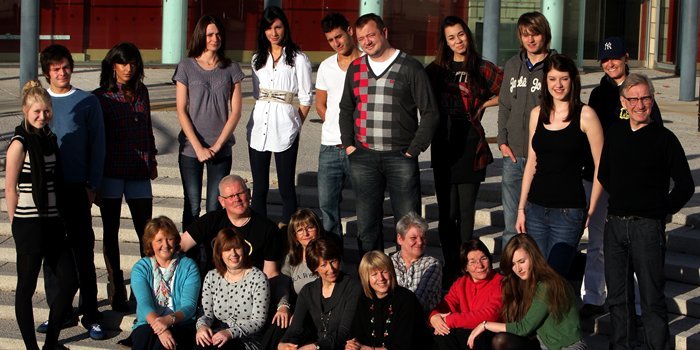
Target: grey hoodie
x,y
520,93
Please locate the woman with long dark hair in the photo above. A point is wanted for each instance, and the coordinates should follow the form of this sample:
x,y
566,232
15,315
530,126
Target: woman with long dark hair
x,y
464,85
280,72
563,132
208,97
130,156
537,303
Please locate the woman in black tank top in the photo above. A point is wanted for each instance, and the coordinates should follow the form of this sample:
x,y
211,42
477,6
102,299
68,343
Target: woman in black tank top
x,y
552,206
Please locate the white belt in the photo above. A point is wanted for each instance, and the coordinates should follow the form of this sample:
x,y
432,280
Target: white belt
x,y
276,96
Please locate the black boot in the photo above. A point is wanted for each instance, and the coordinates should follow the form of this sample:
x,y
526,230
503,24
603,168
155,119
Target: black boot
x,y
116,291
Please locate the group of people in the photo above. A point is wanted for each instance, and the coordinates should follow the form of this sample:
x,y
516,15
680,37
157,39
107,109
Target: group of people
x,y
566,166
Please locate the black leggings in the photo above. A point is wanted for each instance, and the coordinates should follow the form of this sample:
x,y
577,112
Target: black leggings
x,y
38,239
286,164
141,210
143,337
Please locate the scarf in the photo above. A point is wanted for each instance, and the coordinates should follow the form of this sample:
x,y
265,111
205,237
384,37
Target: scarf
x,y
38,145
162,291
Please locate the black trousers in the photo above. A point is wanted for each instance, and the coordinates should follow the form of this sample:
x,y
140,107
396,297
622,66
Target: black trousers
x,y
38,239
75,211
456,208
143,337
286,164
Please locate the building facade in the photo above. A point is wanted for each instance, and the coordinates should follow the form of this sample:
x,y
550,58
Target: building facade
x,y
91,27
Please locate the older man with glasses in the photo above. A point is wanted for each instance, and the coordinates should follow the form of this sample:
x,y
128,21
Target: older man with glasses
x,y
638,161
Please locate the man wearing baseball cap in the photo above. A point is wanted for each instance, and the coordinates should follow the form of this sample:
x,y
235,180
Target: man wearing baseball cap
x,y
605,100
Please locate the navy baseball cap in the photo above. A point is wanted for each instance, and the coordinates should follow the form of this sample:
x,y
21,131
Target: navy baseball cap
x,y
612,47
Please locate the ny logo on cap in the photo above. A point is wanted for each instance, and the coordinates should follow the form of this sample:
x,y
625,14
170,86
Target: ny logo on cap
x,y
608,46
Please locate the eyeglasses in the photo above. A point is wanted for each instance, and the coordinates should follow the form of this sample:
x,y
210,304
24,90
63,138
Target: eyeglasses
x,y
235,195
634,100
475,262
302,230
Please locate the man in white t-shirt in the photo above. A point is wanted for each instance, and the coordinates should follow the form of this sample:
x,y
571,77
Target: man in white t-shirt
x,y
333,165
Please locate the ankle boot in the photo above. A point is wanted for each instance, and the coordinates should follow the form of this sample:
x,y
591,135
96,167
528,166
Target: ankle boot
x,y
116,291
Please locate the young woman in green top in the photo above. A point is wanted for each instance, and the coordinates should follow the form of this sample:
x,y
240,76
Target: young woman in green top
x,y
538,304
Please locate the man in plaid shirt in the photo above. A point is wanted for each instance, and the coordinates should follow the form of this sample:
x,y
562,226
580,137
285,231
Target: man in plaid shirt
x,y
381,129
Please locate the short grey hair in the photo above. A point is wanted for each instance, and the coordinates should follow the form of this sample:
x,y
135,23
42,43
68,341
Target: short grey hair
x,y
412,219
231,179
636,79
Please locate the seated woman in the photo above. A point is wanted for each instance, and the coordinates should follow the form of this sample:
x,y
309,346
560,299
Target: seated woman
x,y
388,316
329,302
537,303
473,298
304,226
166,286
235,297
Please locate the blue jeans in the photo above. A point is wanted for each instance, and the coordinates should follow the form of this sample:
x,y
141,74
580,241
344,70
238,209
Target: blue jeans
x,y
333,170
191,172
636,245
372,173
511,182
557,232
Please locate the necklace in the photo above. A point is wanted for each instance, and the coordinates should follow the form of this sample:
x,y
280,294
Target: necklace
x,y
243,223
387,322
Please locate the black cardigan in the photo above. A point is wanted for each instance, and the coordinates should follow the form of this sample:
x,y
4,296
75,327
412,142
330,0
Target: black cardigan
x,y
407,328
341,305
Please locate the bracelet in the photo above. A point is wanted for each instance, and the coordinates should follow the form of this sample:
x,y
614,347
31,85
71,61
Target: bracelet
x,y
484,324
283,305
174,318
521,209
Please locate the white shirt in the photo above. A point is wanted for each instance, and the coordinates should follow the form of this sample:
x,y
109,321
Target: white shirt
x,y
273,126
331,78
379,67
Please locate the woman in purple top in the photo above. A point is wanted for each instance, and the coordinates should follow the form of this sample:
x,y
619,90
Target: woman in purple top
x,y
208,97
130,157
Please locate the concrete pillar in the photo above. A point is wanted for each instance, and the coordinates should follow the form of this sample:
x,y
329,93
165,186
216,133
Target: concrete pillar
x,y
554,11
492,21
174,41
29,41
371,6
581,33
689,49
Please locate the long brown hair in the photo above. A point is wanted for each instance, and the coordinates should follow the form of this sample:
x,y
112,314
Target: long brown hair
x,y
518,294
561,63
198,41
472,62
301,217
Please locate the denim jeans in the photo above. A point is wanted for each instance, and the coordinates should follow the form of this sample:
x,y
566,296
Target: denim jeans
x,y
286,164
557,232
511,182
372,173
333,171
593,286
191,172
636,245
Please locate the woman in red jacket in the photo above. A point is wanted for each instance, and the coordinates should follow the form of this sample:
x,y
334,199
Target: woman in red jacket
x,y
473,298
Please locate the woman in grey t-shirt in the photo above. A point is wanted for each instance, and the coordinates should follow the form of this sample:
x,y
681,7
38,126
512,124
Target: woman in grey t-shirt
x,y
208,96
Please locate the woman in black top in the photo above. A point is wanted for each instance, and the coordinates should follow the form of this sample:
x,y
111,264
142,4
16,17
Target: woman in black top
x,y
464,85
388,316
552,205
328,302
